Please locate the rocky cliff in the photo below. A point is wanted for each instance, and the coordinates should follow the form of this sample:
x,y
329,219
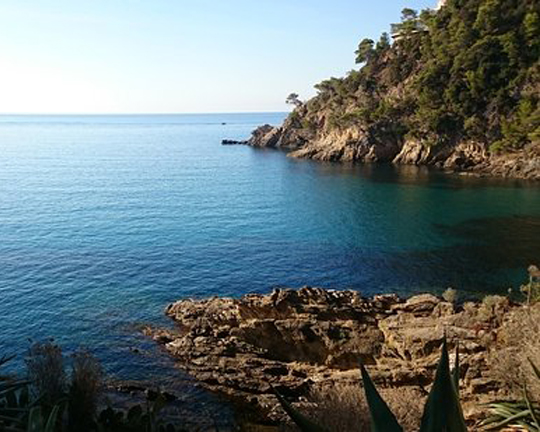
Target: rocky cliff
x,y
299,340
352,145
459,89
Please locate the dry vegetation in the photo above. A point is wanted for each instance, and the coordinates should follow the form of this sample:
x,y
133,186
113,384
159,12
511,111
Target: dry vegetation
x,y
85,390
342,407
517,345
45,365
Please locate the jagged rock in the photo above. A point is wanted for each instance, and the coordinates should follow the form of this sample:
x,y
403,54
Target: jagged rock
x,y
233,142
350,145
355,145
295,339
265,136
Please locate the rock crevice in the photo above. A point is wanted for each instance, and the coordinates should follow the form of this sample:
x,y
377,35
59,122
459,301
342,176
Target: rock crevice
x,y
294,340
354,145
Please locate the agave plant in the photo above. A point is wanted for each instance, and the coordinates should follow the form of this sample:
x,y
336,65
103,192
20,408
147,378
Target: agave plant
x,y
442,411
38,423
13,400
16,412
524,413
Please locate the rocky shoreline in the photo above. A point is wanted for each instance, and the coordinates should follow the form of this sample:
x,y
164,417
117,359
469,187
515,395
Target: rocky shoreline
x,y
300,340
353,145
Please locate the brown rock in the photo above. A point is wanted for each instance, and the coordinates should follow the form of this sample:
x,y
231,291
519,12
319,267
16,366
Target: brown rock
x,y
291,339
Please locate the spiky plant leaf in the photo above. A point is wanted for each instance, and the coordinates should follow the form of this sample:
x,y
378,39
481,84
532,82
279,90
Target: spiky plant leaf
x,y
456,371
11,386
51,422
4,359
305,424
535,369
35,421
531,408
24,397
503,418
382,419
9,419
442,411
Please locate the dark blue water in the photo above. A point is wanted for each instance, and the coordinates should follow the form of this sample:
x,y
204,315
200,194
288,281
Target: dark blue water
x,y
106,219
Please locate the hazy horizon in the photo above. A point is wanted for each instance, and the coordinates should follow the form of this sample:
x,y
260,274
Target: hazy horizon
x,y
65,57
7,114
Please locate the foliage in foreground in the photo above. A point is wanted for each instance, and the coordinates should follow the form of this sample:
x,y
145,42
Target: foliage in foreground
x,y
442,411
50,402
524,413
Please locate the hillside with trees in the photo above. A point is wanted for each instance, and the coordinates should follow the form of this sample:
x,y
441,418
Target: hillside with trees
x,y
457,87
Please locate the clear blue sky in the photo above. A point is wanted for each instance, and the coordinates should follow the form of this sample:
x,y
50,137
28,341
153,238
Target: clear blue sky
x,y
152,56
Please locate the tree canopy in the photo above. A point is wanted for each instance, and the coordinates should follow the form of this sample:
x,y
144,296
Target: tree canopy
x,y
468,71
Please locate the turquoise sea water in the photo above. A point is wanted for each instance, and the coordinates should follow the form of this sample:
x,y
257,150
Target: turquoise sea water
x,y
106,219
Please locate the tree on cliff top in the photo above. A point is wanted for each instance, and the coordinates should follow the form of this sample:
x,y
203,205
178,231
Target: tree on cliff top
x,y
467,71
365,51
293,99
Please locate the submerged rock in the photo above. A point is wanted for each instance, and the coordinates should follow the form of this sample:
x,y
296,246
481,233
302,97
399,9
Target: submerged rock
x,y
295,340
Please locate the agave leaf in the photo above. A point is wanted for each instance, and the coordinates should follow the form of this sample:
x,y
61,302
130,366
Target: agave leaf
x,y
5,359
51,422
382,419
11,429
456,371
305,424
535,369
530,407
14,410
11,398
24,397
7,388
35,421
442,411
508,420
10,419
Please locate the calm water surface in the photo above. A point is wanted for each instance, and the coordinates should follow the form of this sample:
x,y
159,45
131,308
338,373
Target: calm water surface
x,y
106,219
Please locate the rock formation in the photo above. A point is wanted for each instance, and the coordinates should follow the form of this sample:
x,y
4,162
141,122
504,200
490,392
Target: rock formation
x,y
233,142
352,145
296,340
429,98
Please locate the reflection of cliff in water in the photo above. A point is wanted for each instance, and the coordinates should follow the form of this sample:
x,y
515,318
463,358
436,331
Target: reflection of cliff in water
x,y
415,175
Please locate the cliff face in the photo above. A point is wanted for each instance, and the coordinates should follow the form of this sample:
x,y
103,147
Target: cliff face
x,y
352,145
458,89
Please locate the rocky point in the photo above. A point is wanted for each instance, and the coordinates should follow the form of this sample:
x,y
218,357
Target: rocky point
x,y
298,340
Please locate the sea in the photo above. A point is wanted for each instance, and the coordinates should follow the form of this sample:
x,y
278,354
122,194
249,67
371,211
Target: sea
x,y
105,219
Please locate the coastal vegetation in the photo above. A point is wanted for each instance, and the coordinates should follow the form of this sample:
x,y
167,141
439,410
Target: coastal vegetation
x,y
442,410
514,363
50,400
301,350
467,71
309,351
456,87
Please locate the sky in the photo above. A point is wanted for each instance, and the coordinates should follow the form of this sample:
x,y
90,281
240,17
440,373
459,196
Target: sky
x,y
178,56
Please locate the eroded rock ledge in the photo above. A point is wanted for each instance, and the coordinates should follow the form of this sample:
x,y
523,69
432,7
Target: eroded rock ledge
x,y
354,145
296,340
